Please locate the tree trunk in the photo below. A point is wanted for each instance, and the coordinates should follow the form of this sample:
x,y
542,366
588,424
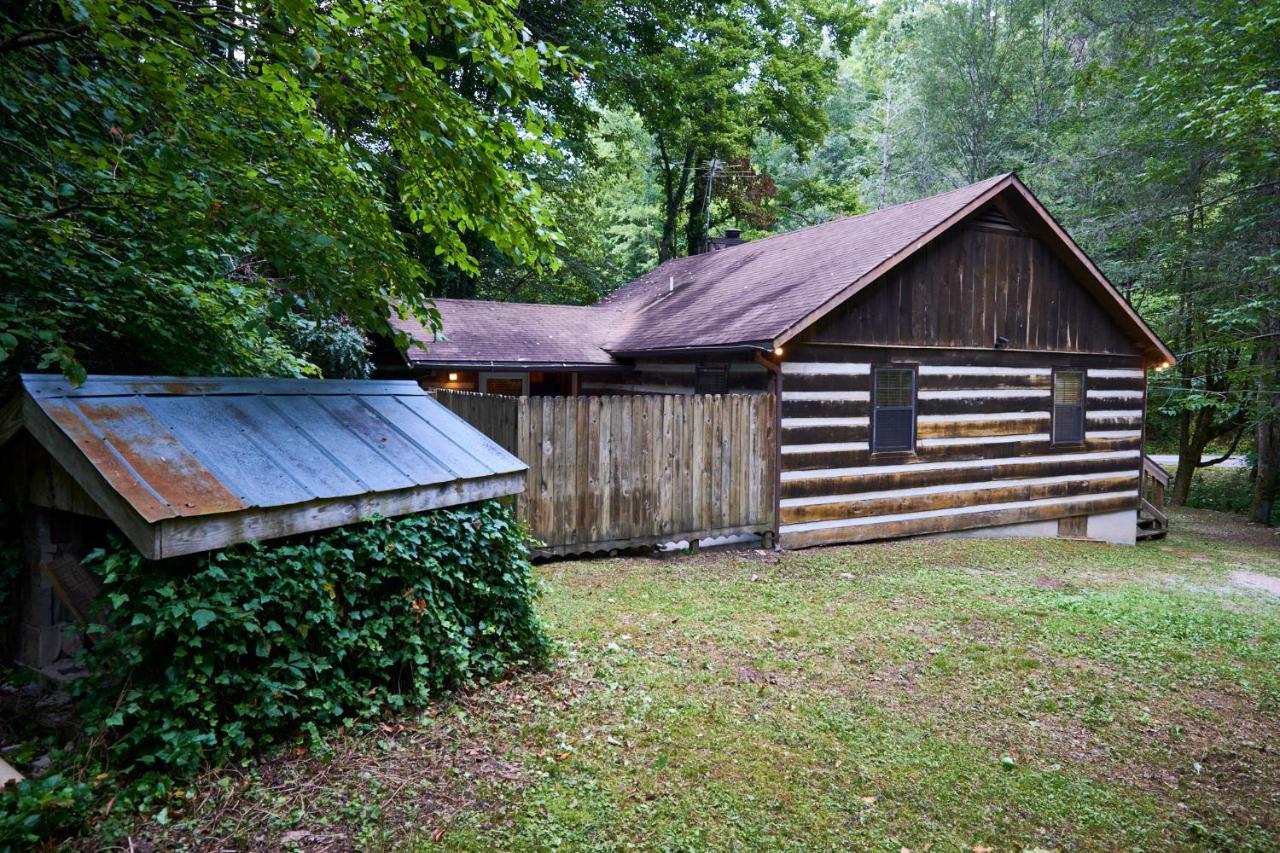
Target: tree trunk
x,y
1189,454
1189,449
674,188
1267,481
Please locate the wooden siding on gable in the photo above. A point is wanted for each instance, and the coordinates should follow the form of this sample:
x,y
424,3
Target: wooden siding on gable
x,y
970,286
983,453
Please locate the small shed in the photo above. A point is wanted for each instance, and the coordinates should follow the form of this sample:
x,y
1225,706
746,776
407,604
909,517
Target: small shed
x,y
183,465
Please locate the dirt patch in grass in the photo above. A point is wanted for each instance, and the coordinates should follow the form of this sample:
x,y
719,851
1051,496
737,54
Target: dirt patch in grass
x,y
1225,527
1255,581
404,778
1233,755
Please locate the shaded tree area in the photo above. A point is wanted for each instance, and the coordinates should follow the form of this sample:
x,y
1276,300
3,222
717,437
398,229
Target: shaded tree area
x,y
220,187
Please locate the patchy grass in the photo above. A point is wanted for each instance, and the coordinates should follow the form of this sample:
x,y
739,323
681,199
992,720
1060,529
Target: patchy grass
x,y
954,694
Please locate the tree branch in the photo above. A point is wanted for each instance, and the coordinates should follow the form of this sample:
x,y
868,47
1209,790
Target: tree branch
x,y
35,38
1230,450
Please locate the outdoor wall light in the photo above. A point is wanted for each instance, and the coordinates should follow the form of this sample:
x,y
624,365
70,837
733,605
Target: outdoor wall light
x,y
453,377
777,351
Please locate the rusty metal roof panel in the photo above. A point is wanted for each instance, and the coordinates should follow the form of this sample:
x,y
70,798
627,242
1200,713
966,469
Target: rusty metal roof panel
x,y
178,447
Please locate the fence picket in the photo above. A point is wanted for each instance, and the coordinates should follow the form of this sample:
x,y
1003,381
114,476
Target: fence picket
x,y
615,472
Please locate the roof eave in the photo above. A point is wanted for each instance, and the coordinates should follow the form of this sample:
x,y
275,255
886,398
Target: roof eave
x,y
463,364
701,349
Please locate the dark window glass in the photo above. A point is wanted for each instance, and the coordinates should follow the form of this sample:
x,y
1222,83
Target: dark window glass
x,y
893,420
1068,406
505,387
711,379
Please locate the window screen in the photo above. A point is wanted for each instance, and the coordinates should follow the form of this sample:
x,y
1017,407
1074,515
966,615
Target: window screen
x,y
711,379
893,425
1068,406
505,387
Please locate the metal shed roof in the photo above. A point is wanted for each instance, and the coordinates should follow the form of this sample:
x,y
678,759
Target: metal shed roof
x,y
195,464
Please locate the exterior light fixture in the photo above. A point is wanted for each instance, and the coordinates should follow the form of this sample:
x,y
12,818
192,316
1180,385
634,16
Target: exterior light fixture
x,y
777,351
1164,365
453,377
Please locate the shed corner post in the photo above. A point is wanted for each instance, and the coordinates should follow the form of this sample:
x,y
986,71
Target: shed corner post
x,y
773,537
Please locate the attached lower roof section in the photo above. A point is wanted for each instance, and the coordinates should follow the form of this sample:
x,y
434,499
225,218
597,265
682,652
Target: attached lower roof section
x,y
184,465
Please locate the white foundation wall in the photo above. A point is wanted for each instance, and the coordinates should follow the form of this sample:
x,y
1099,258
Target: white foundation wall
x,y
1118,528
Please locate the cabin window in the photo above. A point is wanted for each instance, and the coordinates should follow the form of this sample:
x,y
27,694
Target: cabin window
x,y
505,384
1068,406
893,420
711,379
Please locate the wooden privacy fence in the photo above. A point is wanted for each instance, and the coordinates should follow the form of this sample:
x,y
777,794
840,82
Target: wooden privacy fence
x,y
616,472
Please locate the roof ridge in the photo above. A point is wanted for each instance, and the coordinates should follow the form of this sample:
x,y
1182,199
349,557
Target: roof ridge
x,y
603,301
878,210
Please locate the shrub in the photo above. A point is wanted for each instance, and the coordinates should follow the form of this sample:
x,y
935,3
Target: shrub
x,y
37,809
1222,489
207,658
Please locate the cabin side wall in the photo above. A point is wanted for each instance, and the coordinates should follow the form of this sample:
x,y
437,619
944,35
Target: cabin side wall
x,y
984,455
984,462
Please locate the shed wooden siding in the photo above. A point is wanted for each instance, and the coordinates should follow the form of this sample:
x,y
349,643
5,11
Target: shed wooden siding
x,y
968,287
984,454
677,377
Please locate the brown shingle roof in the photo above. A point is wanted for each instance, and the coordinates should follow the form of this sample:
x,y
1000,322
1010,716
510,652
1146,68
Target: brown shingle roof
x,y
500,333
756,291
751,295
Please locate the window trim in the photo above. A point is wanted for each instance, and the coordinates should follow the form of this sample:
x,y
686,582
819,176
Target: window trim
x,y
485,376
1053,406
915,409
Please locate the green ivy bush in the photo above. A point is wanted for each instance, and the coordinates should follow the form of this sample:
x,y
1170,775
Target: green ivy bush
x,y
208,658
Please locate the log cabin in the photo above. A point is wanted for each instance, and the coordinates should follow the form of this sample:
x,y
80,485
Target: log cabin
x,y
953,365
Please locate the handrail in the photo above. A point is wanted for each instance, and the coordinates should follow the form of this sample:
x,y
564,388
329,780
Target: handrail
x,y
1153,469
1157,514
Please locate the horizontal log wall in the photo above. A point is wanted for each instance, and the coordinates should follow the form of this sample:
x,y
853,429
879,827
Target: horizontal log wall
x,y
677,377
621,471
984,452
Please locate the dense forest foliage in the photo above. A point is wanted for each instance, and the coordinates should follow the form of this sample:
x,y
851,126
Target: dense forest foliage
x,y
243,186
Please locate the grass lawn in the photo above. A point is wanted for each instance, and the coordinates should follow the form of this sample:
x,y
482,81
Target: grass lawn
x,y
944,695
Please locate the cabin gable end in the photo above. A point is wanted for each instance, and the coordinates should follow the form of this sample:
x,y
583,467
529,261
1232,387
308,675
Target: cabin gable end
x,y
988,283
